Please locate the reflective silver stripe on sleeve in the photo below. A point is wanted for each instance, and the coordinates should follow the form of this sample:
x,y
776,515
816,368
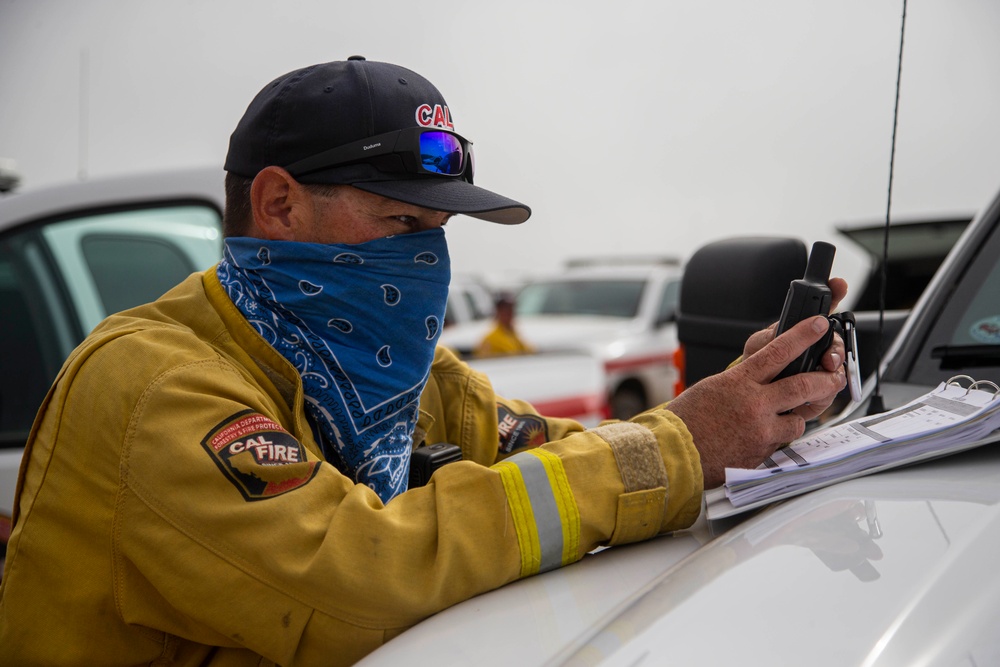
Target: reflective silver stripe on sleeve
x,y
543,506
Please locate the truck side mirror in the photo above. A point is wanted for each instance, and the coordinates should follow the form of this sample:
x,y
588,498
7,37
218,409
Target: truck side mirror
x,y
731,289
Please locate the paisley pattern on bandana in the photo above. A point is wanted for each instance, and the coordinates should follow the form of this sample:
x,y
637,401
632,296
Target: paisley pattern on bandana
x,y
359,323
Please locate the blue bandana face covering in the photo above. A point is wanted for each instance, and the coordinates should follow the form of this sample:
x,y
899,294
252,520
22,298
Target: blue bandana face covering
x,y
360,323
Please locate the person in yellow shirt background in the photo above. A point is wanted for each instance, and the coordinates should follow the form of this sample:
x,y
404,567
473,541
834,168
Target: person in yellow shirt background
x,y
503,338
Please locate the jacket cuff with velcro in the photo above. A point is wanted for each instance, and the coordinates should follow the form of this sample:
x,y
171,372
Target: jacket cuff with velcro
x,y
641,506
658,488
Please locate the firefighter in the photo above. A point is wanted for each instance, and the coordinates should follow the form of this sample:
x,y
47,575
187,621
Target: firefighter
x,y
222,476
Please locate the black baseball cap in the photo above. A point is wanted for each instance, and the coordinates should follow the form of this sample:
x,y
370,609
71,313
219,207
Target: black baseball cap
x,y
308,112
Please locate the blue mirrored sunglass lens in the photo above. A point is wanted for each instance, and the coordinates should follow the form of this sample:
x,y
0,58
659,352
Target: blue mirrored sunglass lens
x,y
441,153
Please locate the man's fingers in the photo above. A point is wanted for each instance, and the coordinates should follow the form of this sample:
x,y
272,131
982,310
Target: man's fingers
x,y
789,427
783,350
818,387
834,356
838,290
758,340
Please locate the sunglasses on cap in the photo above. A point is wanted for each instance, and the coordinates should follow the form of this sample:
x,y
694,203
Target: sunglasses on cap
x,y
417,150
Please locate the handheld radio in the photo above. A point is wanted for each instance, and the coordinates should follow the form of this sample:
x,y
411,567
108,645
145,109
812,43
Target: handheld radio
x,y
807,297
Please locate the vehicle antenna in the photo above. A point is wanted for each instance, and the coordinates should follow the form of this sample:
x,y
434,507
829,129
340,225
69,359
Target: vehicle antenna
x,y
876,405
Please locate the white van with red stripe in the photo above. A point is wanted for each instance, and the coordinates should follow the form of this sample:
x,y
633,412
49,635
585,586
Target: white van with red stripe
x,y
621,310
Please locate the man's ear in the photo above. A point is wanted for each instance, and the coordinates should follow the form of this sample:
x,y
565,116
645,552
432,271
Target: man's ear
x,y
280,204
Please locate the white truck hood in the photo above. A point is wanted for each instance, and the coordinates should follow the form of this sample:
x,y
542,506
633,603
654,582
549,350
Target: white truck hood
x,y
897,568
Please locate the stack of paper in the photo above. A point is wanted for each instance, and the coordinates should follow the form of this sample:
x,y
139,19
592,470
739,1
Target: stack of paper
x,y
946,420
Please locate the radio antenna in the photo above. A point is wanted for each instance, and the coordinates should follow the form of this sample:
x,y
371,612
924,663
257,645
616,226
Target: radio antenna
x,y
876,404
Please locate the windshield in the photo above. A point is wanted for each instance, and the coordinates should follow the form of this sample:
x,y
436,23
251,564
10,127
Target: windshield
x,y
604,297
965,338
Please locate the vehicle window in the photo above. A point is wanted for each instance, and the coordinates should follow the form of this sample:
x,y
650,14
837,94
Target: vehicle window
x,y
129,270
118,260
980,321
477,312
667,309
59,280
36,334
965,339
609,298
449,314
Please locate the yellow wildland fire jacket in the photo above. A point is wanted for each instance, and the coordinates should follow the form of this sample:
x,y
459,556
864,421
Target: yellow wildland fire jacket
x,y
174,507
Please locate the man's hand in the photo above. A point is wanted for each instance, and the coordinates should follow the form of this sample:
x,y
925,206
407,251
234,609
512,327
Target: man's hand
x,y
831,360
838,290
739,417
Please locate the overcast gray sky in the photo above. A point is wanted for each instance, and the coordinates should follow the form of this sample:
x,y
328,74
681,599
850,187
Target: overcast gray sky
x,y
627,126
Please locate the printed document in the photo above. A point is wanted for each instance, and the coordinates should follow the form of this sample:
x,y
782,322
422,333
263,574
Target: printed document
x,y
948,419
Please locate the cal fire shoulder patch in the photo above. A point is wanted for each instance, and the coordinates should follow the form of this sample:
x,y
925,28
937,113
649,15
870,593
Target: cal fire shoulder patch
x,y
259,457
519,431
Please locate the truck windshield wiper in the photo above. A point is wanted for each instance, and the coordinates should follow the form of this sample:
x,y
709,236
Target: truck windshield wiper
x,y
961,356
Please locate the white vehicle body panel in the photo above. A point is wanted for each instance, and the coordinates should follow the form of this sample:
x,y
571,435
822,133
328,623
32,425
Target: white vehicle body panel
x,y
10,464
893,569
567,384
